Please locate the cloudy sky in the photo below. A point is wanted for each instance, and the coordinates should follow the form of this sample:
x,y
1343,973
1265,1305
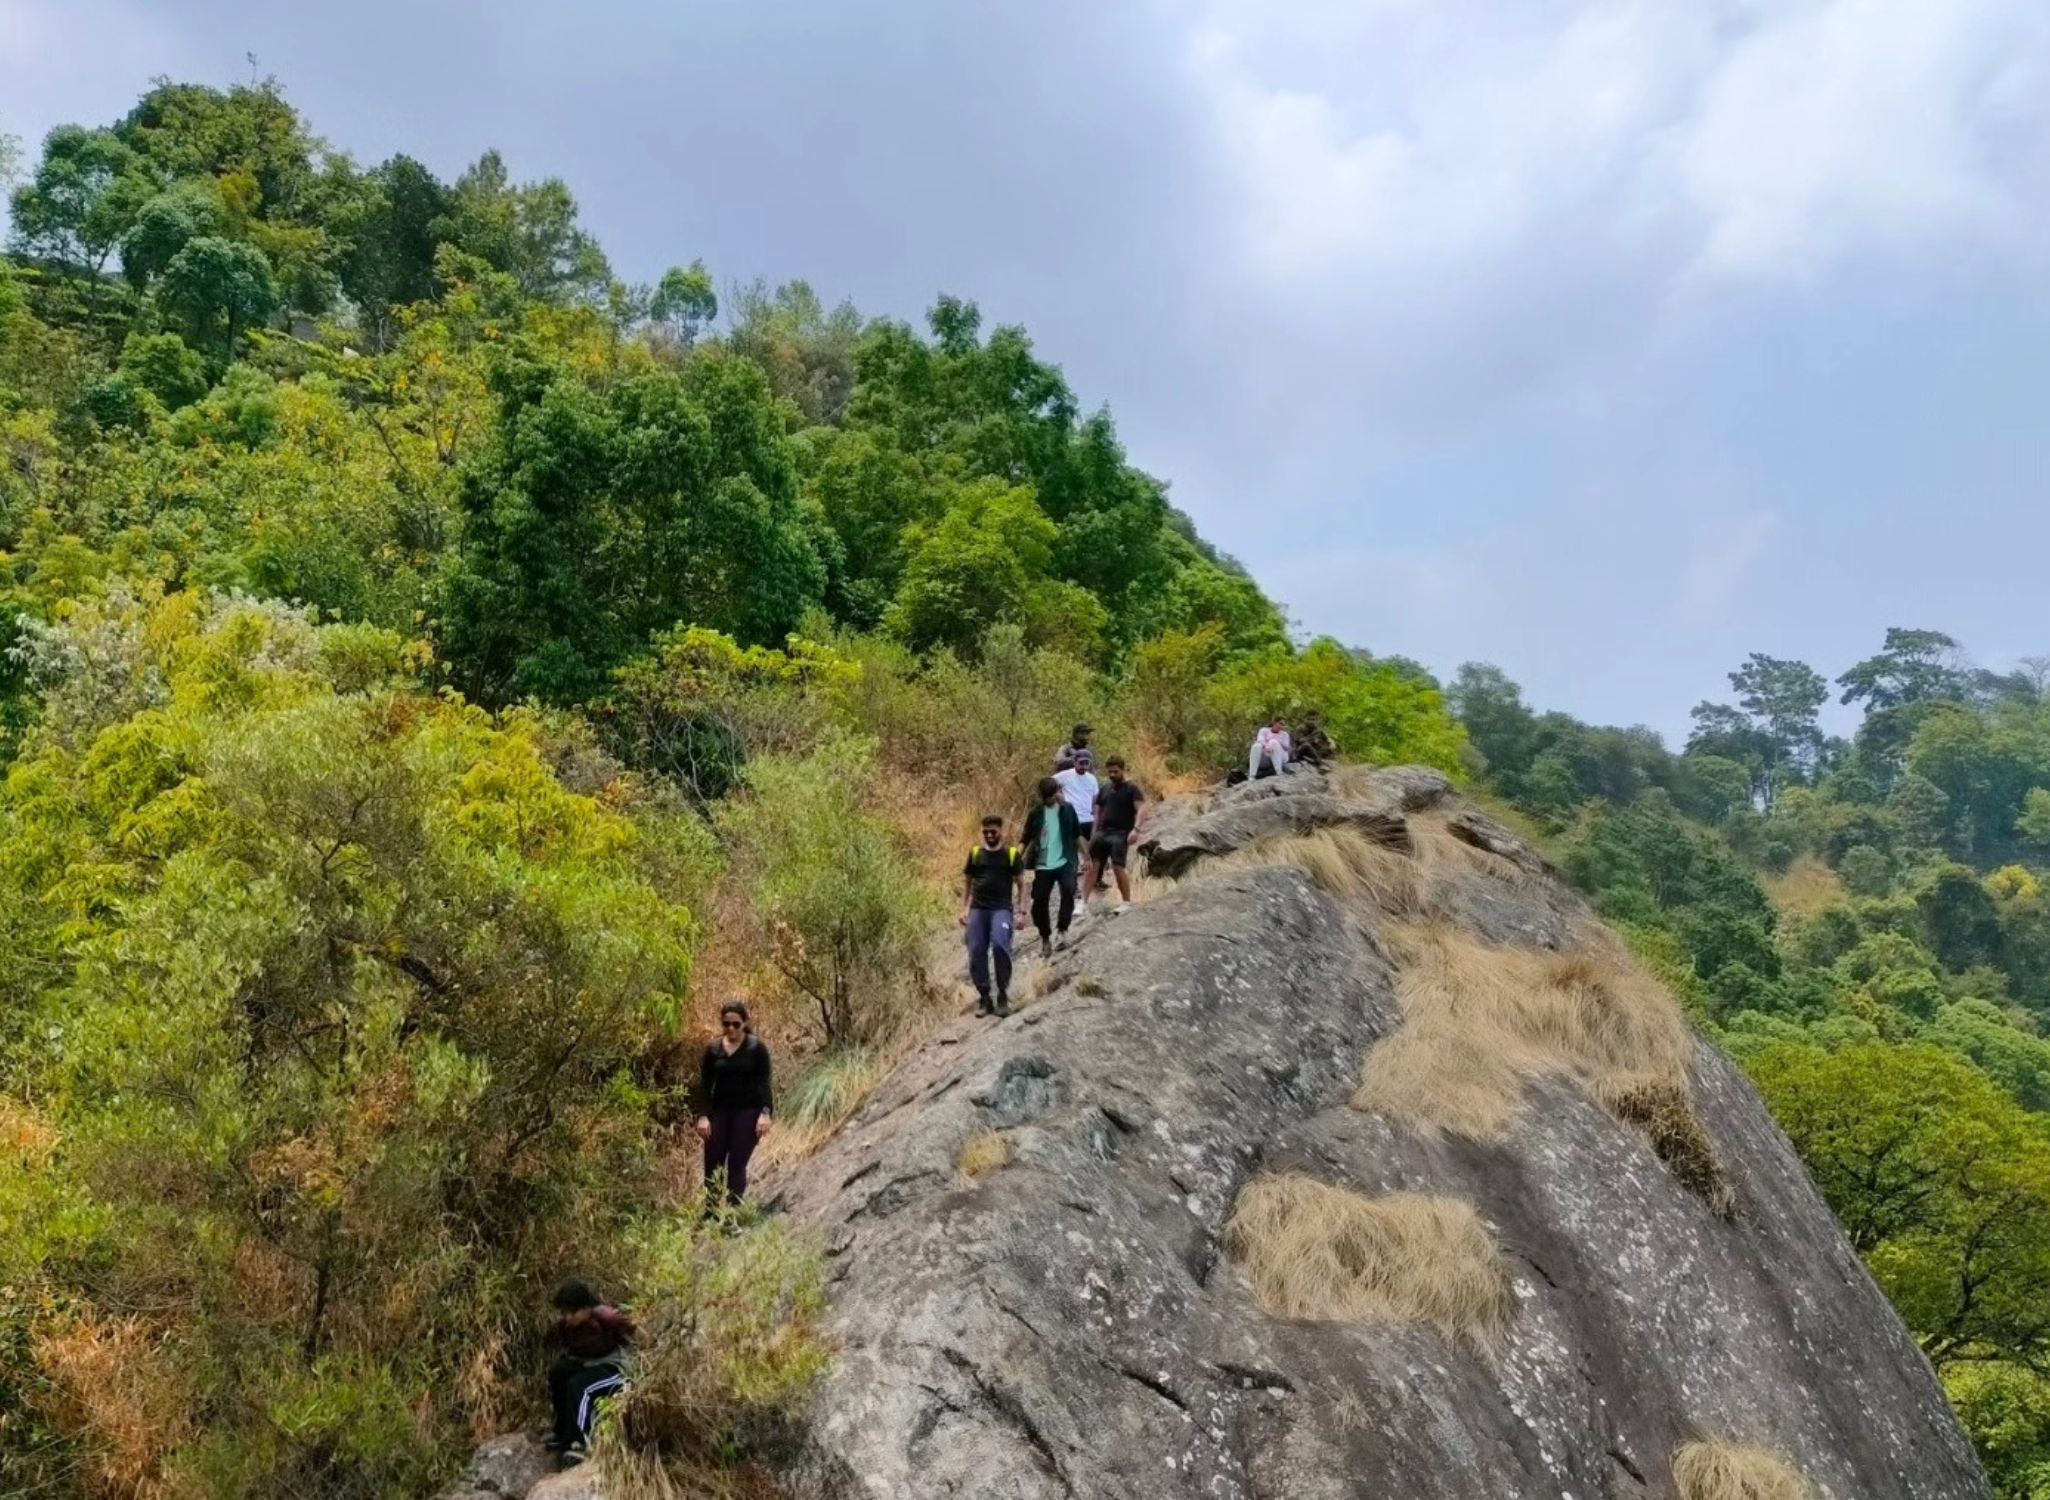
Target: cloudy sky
x,y
1604,339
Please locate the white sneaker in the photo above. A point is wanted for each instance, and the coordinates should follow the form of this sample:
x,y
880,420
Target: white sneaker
x,y
1121,908
1081,911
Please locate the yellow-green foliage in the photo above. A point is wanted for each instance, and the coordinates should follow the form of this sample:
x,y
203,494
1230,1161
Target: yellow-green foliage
x,y
728,1345
1315,1251
1376,713
329,1002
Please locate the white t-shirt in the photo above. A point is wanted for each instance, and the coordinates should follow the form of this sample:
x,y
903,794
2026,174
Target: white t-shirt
x,y
1079,787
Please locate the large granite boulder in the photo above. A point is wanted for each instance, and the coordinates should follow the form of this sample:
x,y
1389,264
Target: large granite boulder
x,y
1035,1291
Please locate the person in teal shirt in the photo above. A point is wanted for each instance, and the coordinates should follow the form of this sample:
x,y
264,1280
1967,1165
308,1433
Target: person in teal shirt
x,y
1053,849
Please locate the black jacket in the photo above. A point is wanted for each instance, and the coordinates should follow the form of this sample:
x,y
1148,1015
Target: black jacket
x,y
735,1080
1071,834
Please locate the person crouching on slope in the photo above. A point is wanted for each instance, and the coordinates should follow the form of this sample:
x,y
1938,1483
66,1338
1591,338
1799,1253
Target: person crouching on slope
x,y
1052,851
992,882
1079,787
736,1100
593,1340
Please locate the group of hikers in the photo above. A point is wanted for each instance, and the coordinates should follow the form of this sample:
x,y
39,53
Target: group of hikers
x,y
1076,836
1073,845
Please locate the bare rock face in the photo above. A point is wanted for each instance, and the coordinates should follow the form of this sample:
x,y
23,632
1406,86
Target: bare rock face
x,y
506,1468
1073,1322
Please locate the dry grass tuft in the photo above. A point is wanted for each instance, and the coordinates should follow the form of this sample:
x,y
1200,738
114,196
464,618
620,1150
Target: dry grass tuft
x,y
1663,1113
1324,1253
983,1154
1342,862
114,1393
1372,877
1729,1471
1478,1020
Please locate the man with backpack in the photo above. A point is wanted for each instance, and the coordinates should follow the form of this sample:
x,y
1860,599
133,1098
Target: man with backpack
x,y
992,882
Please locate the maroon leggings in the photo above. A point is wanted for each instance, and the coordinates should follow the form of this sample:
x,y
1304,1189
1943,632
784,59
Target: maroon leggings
x,y
727,1150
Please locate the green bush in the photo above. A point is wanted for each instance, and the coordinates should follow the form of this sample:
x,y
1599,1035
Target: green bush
x,y
834,899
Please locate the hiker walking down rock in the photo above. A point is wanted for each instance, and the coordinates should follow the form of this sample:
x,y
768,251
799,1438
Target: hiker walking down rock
x,y
593,1341
736,1100
1079,786
1120,813
1053,839
992,883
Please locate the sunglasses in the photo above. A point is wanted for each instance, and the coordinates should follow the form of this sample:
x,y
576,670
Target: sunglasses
x,y
733,1025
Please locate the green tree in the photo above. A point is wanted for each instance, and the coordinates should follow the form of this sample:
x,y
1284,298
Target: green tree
x,y
1941,1181
217,290
986,559
602,517
392,231
80,200
529,231
683,303
1914,666
165,225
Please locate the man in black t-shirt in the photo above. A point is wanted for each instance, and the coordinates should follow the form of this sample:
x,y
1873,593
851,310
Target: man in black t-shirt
x,y
1120,812
990,883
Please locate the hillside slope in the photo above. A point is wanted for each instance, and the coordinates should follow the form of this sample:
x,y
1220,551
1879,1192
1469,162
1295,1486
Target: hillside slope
x,y
1358,1161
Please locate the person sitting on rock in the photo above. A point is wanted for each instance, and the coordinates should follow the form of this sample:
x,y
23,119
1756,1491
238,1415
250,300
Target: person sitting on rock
x,y
1270,753
992,882
1313,745
593,1341
1120,811
1053,850
1077,745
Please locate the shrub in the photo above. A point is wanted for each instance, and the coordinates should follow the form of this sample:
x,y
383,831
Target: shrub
x,y
833,897
728,1346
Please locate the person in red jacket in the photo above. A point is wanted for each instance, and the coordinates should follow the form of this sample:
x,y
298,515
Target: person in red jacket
x,y
592,1341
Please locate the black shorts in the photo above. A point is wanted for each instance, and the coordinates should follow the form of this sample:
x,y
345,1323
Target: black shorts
x,y
1109,848
1086,830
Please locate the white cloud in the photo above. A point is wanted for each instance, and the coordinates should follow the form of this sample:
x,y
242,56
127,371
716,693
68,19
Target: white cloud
x,y
1405,138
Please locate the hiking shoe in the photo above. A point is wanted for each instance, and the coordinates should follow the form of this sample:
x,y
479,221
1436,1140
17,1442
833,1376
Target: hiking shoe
x,y
1060,941
1003,1006
1046,947
982,1005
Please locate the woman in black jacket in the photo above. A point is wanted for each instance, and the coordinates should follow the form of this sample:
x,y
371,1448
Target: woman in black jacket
x,y
736,1104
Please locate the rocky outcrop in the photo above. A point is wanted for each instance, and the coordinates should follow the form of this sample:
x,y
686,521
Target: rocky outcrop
x,y
1074,1322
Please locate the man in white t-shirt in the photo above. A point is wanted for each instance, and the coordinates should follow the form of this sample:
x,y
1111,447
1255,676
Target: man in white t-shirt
x,y
1079,788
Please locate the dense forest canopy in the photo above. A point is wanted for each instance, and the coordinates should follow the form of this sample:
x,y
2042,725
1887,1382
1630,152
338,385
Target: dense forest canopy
x,y
422,653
